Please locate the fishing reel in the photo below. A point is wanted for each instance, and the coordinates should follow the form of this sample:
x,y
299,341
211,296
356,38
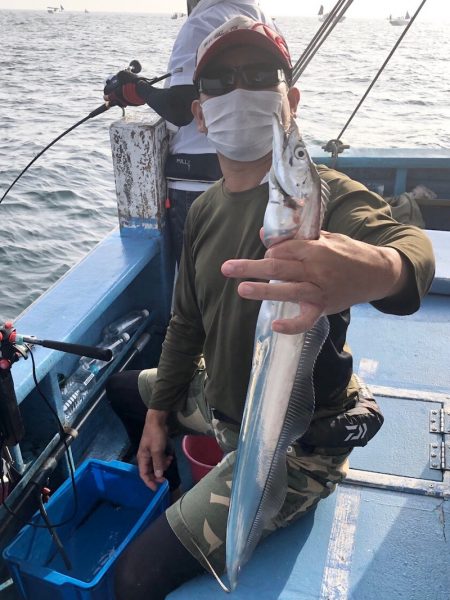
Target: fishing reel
x,y
10,352
113,82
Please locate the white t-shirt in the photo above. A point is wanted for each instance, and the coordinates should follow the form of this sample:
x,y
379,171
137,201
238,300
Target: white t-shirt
x,y
206,16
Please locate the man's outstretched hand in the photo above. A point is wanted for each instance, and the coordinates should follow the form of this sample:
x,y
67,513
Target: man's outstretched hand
x,y
323,276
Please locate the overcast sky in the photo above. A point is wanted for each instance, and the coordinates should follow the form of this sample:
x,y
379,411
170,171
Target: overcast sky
x,y
433,9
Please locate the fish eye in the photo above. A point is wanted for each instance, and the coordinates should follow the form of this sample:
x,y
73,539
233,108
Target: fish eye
x,y
299,152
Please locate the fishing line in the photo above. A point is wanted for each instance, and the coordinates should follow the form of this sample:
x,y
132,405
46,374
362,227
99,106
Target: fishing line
x,y
333,18
94,113
56,539
134,65
380,70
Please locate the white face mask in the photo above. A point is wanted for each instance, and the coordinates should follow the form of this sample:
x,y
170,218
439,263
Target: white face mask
x,y
240,123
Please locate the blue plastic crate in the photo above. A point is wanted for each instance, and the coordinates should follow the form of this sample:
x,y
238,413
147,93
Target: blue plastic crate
x,y
114,506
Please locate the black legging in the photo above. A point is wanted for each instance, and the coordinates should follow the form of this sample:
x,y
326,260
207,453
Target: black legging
x,y
154,564
123,393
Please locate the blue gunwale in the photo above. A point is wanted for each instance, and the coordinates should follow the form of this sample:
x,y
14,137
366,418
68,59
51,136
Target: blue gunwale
x,y
95,282
392,158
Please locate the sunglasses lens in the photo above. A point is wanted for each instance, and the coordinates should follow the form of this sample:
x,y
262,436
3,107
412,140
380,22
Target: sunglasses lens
x,y
258,77
254,77
217,83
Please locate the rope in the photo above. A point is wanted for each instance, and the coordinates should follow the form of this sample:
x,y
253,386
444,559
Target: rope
x,y
381,69
320,36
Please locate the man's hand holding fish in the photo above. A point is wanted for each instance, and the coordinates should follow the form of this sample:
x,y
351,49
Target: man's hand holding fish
x,y
323,276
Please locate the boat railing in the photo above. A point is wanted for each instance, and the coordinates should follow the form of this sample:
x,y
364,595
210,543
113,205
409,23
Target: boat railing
x,y
393,171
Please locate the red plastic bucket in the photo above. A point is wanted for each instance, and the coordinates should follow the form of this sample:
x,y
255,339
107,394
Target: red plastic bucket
x,y
202,452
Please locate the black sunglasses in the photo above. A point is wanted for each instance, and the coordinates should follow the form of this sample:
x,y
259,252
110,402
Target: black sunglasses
x,y
253,77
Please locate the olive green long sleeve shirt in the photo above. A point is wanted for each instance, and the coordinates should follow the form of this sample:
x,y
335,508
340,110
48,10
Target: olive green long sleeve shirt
x,y
211,319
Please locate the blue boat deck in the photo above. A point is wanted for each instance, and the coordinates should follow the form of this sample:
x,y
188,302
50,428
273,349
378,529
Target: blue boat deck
x,y
359,544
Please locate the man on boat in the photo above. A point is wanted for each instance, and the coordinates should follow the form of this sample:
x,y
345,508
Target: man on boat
x,y
192,163
191,167
243,75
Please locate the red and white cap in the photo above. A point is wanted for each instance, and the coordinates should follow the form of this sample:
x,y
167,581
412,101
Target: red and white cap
x,y
239,31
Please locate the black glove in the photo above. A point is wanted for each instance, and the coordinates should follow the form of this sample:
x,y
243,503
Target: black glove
x,y
123,89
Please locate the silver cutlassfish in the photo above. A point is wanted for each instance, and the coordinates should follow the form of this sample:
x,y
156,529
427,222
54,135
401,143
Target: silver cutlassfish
x,y
280,395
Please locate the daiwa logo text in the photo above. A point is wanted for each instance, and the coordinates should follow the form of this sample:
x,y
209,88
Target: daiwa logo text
x,y
356,435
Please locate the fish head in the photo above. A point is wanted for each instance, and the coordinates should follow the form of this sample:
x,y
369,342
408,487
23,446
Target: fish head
x,y
291,163
294,208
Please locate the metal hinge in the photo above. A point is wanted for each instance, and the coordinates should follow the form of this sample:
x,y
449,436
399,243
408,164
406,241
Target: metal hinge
x,y
440,456
440,421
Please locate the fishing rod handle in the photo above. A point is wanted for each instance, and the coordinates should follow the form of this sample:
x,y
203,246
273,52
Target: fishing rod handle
x,y
89,351
79,349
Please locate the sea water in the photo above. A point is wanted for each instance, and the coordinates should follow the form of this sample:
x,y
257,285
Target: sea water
x,y
53,68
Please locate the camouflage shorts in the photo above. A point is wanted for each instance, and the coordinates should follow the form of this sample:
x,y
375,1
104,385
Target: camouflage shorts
x,y
199,518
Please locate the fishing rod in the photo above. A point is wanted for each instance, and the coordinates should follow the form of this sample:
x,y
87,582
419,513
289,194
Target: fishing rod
x,y
112,84
327,26
335,146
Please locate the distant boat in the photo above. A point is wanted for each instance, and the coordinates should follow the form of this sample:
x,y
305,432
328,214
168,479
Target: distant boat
x,y
86,10
399,21
61,8
323,15
55,9
175,15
